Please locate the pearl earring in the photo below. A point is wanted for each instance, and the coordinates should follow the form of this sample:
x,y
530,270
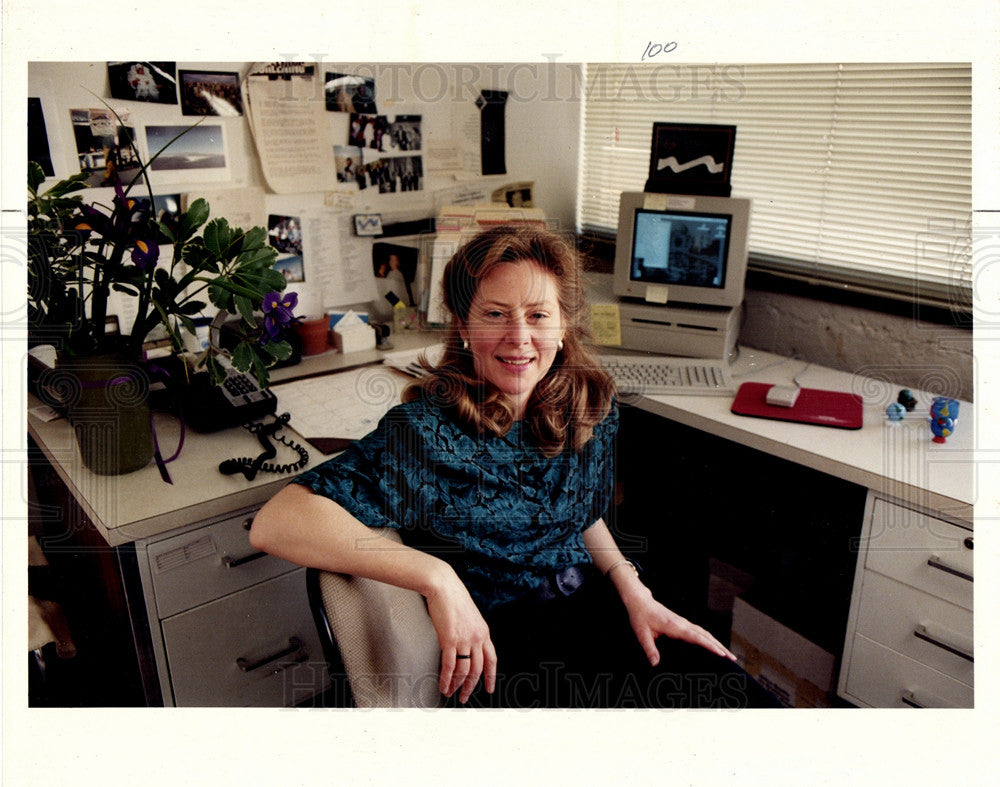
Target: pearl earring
x,y
560,345
465,344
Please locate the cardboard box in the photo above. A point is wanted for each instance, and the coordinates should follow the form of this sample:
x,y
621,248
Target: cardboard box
x,y
356,335
798,672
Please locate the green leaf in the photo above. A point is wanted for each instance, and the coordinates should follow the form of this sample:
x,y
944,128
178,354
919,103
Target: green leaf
x,y
166,232
218,237
191,307
194,217
188,324
237,286
162,277
256,238
36,176
220,297
243,357
198,257
245,308
260,367
259,256
281,351
216,372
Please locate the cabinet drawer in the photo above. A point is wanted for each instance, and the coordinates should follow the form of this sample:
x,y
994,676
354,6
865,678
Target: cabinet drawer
x,y
920,626
923,551
883,678
256,647
204,564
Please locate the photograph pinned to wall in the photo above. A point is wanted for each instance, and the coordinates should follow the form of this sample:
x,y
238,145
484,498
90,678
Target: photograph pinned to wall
x,y
102,145
210,93
516,195
347,160
350,93
397,134
368,224
38,138
152,81
395,268
395,174
291,267
691,158
190,147
285,234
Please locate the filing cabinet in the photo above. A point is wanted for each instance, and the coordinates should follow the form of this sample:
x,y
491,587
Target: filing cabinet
x,y
909,638
229,626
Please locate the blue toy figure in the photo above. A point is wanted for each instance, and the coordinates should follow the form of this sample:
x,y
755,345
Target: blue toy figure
x,y
895,411
944,413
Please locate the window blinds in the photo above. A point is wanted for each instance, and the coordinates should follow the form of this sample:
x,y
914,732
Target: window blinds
x,y
860,174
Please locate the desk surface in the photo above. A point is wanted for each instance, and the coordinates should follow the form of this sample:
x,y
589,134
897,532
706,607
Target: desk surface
x,y
896,459
899,460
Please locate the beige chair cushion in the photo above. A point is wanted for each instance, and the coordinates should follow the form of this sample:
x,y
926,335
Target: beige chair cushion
x,y
386,639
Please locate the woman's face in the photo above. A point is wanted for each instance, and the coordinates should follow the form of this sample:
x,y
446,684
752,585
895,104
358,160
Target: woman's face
x,y
514,328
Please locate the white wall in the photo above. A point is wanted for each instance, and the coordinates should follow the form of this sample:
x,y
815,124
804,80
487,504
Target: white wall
x,y
542,128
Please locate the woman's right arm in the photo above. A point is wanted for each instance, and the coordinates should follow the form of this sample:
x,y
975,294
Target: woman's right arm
x,y
311,530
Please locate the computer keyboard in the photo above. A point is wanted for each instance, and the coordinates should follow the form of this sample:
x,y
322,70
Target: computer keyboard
x,y
658,374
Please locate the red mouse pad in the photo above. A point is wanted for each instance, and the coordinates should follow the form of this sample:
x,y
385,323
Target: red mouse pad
x,y
814,406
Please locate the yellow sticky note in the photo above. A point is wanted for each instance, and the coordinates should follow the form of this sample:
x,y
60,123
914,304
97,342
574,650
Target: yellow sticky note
x,y
606,323
655,202
657,293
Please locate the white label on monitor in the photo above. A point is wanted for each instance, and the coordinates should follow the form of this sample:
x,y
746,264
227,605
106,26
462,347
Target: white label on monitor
x,y
655,202
657,293
680,203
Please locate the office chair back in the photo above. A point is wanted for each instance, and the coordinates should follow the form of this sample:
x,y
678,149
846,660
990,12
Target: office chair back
x,y
378,641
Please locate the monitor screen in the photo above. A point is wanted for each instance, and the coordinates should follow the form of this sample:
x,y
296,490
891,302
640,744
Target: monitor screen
x,y
674,247
682,249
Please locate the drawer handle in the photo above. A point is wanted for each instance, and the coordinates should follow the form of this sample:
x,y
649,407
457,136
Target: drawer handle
x,y
295,645
920,632
935,562
233,562
908,699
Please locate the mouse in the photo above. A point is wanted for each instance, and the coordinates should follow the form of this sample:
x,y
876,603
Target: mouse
x,y
782,395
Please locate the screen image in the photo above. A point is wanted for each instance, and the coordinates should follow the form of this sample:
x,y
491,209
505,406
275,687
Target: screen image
x,y
680,248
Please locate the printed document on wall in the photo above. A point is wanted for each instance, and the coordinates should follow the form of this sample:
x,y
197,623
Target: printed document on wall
x,y
292,129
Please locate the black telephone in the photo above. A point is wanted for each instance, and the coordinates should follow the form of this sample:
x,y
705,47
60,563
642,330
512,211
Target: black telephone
x,y
238,400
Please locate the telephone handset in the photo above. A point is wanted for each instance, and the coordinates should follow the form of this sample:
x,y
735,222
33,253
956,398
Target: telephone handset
x,y
237,400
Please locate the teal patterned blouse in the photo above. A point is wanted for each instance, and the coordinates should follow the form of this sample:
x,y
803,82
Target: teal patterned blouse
x,y
502,514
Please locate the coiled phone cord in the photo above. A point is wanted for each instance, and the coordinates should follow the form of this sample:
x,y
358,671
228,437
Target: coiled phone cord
x,y
250,467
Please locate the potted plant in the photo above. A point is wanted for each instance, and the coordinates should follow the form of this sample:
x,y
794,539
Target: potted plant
x,y
80,253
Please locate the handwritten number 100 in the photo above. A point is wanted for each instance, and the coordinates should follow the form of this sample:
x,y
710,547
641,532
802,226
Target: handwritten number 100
x,y
652,50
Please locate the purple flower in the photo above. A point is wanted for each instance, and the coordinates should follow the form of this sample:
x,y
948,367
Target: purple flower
x,y
93,220
277,308
123,214
145,254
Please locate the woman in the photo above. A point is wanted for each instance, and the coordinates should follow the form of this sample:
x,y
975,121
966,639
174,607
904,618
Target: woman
x,y
498,470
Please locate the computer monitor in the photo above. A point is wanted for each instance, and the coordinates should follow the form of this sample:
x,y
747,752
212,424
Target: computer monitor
x,y
679,248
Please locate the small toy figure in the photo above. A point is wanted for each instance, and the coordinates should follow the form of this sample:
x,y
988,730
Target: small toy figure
x,y
895,411
907,399
944,413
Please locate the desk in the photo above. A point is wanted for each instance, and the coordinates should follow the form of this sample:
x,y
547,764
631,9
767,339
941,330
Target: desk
x,y
915,487
917,511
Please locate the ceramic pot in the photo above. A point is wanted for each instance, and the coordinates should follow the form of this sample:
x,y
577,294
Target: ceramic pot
x,y
108,403
313,334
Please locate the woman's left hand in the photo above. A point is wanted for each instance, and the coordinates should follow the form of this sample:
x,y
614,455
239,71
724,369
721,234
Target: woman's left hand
x,y
650,619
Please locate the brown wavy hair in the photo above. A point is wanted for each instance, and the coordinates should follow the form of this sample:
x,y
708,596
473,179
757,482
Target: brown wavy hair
x,y
574,396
